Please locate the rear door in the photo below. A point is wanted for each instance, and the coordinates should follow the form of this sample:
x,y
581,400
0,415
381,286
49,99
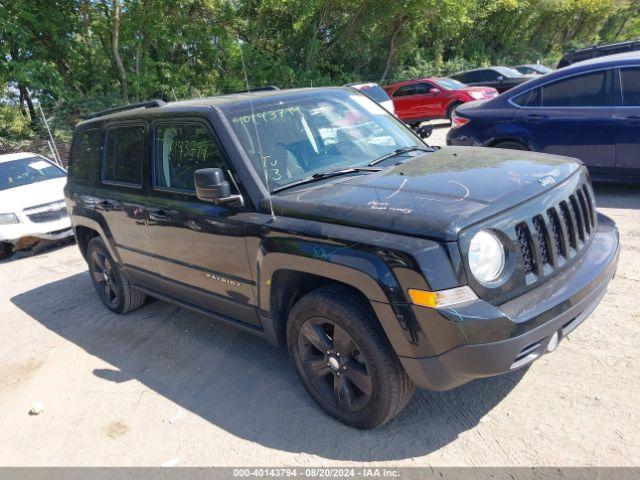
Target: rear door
x,y
627,121
200,246
121,198
572,116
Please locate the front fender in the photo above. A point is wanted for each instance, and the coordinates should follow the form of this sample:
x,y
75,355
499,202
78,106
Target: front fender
x,y
363,270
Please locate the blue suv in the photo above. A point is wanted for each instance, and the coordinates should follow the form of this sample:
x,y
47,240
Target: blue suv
x,y
589,110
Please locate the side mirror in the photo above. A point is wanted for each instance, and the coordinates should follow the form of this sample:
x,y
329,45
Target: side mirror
x,y
211,186
424,131
500,79
434,90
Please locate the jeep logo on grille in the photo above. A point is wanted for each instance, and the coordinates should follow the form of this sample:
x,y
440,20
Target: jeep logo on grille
x,y
547,181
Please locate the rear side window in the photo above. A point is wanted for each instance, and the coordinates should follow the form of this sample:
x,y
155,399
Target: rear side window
x,y
123,155
630,85
181,149
84,161
589,90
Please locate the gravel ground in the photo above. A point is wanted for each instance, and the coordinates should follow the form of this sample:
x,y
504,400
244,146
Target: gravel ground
x,y
162,386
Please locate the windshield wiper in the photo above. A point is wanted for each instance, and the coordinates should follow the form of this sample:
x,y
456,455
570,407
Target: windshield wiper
x,y
322,175
400,151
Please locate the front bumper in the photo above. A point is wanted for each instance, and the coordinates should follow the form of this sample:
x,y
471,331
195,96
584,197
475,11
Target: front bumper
x,y
19,233
524,328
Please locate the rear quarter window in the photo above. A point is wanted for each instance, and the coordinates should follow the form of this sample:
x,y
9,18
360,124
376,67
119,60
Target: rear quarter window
x,y
84,161
528,99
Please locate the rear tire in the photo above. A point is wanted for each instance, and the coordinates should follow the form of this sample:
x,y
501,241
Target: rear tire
x,y
112,287
511,145
344,360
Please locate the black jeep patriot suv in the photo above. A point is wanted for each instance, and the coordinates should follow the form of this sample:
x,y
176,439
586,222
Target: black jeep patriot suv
x,y
316,220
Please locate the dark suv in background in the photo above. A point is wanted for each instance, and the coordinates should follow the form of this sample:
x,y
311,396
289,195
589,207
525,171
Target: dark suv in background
x,y
315,219
590,110
598,51
500,78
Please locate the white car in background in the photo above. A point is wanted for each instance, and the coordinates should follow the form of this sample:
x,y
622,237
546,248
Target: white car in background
x,y
376,93
32,203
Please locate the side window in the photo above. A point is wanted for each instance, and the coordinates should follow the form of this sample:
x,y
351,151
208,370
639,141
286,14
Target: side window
x,y
421,88
404,91
84,161
489,75
630,85
473,77
181,149
589,90
528,99
123,155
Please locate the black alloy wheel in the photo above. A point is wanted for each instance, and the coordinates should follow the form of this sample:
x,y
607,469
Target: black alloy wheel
x,y
344,359
332,361
103,277
112,286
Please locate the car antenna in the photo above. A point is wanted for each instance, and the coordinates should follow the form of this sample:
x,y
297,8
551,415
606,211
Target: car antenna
x,y
263,158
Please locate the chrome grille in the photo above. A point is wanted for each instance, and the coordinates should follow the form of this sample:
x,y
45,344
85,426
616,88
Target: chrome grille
x,y
48,215
558,234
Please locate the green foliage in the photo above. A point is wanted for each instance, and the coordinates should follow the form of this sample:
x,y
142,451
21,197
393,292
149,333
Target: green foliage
x,y
61,53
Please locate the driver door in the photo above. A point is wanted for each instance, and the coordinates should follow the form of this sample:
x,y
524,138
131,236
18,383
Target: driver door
x,y
200,246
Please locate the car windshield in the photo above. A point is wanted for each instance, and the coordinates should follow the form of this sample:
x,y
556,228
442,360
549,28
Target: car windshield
x,y
508,72
450,84
16,173
290,139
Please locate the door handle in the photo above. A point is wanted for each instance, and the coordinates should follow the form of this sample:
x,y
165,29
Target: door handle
x,y
630,118
160,216
534,117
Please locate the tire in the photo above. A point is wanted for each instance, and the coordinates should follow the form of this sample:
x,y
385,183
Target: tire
x,y
360,381
451,108
112,287
510,145
6,250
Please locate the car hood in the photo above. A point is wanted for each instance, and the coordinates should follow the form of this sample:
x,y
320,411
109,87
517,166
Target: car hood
x,y
32,195
433,195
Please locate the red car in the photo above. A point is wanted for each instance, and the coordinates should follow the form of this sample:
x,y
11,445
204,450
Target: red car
x,y
424,99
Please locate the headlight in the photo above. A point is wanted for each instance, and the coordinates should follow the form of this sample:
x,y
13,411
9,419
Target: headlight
x,y
486,256
8,218
476,95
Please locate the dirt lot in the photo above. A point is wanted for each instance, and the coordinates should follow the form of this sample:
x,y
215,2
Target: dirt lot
x,y
162,386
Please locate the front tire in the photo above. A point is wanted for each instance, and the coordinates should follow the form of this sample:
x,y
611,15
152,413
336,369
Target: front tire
x,y
6,250
112,287
344,360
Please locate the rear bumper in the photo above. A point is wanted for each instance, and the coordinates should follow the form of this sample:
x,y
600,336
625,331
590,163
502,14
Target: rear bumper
x,y
558,306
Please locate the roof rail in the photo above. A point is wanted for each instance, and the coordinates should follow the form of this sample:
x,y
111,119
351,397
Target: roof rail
x,y
122,108
257,89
